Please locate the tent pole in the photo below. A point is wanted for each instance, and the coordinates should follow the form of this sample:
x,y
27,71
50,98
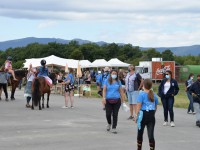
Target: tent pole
x,y
79,87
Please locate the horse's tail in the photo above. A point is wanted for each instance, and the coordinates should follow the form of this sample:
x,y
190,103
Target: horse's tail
x,y
36,92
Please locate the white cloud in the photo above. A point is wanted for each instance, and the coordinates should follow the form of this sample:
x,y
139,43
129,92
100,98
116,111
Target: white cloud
x,y
46,24
90,9
156,38
146,22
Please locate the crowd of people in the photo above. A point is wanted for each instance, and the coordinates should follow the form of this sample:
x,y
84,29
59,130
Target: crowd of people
x,y
115,87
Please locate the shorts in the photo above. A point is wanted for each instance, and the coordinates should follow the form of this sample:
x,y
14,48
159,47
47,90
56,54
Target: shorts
x,y
132,96
69,87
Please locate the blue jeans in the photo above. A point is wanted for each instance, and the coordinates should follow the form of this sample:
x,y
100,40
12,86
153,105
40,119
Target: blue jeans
x,y
168,104
190,107
197,110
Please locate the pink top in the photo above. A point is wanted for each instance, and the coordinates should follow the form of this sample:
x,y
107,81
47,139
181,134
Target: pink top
x,y
8,64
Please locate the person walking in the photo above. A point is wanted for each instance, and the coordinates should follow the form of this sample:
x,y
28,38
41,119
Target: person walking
x,y
28,88
112,98
168,88
188,84
103,77
195,91
69,89
147,102
3,82
133,83
97,81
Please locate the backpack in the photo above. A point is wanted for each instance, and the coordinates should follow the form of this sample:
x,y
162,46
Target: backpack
x,y
137,80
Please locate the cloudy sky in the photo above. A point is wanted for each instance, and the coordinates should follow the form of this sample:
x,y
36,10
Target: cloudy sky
x,y
139,22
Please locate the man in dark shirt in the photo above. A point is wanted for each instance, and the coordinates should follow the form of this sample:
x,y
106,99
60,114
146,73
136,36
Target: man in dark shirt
x,y
195,91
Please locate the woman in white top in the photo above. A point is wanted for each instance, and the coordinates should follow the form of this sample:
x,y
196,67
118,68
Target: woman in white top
x,y
28,88
88,78
167,90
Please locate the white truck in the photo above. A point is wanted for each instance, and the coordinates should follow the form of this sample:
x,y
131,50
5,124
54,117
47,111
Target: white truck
x,y
155,69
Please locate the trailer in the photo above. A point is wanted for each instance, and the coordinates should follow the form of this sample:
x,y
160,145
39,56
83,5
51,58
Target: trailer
x,y
155,70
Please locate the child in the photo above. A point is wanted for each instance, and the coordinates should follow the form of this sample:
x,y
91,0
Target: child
x,y
8,67
43,72
147,103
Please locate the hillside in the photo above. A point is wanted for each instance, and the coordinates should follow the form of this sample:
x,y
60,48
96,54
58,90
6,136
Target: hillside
x,y
179,51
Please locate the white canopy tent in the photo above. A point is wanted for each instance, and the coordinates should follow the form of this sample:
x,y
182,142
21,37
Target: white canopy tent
x,y
85,63
57,61
100,63
71,63
34,61
117,63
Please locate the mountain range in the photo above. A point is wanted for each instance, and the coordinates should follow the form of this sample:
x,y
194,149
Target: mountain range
x,y
179,51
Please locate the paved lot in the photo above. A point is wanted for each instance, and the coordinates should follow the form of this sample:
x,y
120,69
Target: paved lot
x,y
83,128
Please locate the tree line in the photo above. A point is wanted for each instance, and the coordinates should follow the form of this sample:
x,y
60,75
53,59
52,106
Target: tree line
x,y
91,51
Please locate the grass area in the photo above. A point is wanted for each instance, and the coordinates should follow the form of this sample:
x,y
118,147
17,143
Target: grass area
x,y
181,100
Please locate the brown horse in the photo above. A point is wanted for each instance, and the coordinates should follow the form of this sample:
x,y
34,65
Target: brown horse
x,y
39,88
19,74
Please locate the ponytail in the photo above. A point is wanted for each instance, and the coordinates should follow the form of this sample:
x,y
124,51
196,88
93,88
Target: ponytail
x,y
148,85
151,95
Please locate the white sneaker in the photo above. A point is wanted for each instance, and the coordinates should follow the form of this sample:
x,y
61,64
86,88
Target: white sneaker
x,y
65,107
172,124
108,127
165,123
114,131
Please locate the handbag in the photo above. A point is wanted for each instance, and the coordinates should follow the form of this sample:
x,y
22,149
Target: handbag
x,y
113,101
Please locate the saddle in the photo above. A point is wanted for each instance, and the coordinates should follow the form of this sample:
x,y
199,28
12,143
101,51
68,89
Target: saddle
x,y
47,82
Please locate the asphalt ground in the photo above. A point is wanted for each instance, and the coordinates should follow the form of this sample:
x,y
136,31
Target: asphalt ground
x,y
84,127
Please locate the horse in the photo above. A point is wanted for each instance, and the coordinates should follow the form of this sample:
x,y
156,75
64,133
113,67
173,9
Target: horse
x,y
39,88
19,74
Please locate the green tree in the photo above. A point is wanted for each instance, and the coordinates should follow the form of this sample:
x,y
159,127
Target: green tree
x,y
167,55
91,51
18,64
150,53
190,62
111,51
76,54
179,60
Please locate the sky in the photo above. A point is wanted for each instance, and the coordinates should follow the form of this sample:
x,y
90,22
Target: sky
x,y
145,23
